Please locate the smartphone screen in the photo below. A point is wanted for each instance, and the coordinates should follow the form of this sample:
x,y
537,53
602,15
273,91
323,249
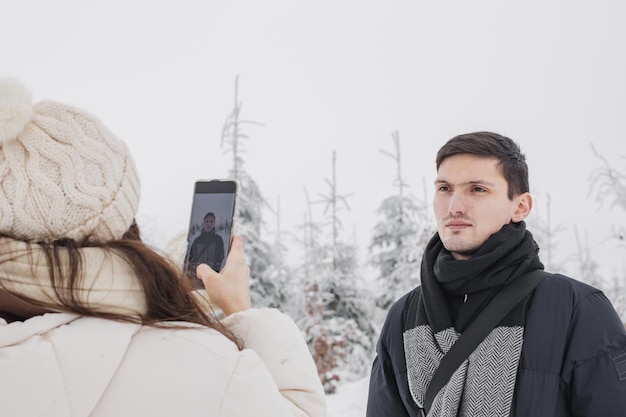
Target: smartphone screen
x,y
211,225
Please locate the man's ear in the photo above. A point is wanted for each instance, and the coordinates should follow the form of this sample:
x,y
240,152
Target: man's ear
x,y
524,206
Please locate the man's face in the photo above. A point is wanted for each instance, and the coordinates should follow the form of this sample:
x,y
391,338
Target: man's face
x,y
471,203
209,223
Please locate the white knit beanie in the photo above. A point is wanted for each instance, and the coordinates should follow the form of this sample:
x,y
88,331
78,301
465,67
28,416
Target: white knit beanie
x,y
63,174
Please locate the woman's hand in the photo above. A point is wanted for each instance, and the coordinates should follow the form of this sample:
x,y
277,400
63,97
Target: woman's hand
x,y
230,288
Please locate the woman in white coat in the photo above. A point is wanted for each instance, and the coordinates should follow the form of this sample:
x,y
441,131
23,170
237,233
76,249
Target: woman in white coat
x,y
95,323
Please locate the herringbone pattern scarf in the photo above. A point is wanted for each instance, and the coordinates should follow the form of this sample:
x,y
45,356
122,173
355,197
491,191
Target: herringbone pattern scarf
x,y
484,384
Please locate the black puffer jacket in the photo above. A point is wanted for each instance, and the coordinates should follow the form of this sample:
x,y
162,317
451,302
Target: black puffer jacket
x,y
573,359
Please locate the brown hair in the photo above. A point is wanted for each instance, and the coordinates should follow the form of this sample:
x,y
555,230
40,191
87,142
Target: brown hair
x,y
492,145
167,292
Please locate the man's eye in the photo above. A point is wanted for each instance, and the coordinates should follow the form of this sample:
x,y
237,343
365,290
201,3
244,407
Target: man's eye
x,y
479,189
443,188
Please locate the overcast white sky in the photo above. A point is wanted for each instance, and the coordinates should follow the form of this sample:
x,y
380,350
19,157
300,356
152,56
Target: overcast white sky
x,y
336,75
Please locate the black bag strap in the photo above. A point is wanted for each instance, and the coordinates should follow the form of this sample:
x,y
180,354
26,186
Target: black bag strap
x,y
507,298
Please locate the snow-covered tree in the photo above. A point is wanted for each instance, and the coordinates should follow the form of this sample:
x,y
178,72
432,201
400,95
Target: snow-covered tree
x,y
545,232
288,291
337,322
399,238
587,267
310,301
266,287
305,297
609,185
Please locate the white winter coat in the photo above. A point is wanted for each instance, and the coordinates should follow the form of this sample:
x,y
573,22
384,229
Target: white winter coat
x,y
65,365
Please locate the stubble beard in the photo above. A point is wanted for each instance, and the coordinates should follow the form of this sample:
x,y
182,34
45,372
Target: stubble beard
x,y
461,246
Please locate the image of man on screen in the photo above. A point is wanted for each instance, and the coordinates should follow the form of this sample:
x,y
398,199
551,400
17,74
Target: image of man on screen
x,y
208,248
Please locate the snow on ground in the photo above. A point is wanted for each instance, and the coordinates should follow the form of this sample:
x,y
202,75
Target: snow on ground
x,y
349,400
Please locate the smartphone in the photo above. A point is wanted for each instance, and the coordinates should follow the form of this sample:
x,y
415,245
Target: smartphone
x,y
211,225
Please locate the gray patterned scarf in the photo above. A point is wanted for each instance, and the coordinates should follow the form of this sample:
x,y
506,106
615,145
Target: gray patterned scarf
x,y
453,292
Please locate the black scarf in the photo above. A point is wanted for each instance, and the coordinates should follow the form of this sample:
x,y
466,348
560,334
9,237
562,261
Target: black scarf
x,y
503,257
443,310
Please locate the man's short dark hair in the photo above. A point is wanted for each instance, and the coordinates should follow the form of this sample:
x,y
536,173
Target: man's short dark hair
x,y
512,163
209,214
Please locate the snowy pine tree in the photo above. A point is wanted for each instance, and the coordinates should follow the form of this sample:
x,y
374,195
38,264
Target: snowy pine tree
x,y
609,184
266,288
281,272
337,314
399,238
545,233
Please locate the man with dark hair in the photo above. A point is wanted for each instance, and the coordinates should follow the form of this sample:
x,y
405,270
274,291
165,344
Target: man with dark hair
x,y
560,351
208,248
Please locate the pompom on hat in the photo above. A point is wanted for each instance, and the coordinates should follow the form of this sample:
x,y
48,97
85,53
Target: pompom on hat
x,y
63,174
